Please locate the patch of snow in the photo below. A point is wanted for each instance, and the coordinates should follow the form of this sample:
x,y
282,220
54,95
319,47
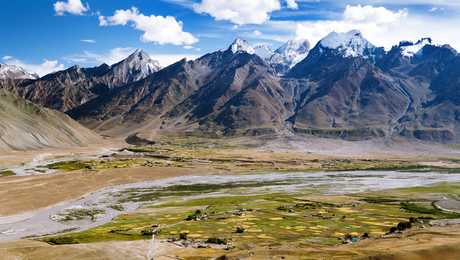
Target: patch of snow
x,y
15,72
409,49
240,45
141,60
350,44
263,50
291,53
288,55
138,64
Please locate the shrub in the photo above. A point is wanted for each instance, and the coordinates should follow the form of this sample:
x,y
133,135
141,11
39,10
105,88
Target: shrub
x,y
217,241
240,230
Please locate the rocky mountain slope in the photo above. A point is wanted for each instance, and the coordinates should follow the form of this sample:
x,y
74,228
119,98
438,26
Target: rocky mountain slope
x,y
346,93
24,125
359,91
215,92
14,72
64,90
345,87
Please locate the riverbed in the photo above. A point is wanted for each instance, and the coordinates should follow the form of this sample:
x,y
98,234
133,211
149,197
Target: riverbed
x,y
50,220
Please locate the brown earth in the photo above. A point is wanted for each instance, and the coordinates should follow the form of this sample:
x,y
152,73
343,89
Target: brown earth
x,y
27,126
26,249
28,193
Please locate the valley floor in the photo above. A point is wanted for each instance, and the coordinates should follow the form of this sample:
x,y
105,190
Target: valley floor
x,y
278,211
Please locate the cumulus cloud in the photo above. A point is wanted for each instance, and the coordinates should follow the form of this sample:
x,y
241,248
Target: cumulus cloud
x,y
370,14
239,12
75,7
115,55
156,29
382,26
48,66
292,4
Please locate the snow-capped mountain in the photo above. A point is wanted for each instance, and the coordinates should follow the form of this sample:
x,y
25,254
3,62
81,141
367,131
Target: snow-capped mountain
x,y
289,54
15,72
70,88
349,44
240,45
264,51
136,66
410,49
345,87
282,59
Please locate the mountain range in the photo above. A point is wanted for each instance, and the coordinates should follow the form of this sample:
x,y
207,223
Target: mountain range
x,y
344,87
15,72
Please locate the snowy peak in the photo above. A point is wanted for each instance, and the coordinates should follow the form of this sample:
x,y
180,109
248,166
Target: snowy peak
x,y
15,72
297,46
138,55
141,60
284,58
291,53
410,49
349,44
240,45
136,66
263,50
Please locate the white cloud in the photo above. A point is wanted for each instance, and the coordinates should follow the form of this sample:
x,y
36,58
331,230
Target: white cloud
x,y
381,26
118,54
257,33
88,41
370,14
156,29
292,4
184,3
102,21
166,59
452,3
75,7
48,66
91,58
239,12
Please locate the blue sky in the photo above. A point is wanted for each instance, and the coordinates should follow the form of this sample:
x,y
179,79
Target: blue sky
x,y
47,35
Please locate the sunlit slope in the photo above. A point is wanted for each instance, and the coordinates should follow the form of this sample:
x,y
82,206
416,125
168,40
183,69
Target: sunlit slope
x,y
24,125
